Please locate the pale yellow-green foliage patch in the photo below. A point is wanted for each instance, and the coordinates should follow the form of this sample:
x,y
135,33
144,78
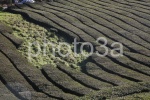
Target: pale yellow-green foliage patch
x,y
31,32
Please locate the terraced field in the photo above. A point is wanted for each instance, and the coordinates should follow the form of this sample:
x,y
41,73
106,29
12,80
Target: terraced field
x,y
99,78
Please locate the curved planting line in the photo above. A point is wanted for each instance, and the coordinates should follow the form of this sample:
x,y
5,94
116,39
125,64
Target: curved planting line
x,y
135,48
129,25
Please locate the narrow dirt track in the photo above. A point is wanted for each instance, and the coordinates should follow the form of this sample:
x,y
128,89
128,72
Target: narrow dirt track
x,y
124,21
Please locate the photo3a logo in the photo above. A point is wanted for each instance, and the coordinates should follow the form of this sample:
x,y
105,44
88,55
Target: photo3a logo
x,y
115,49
